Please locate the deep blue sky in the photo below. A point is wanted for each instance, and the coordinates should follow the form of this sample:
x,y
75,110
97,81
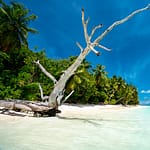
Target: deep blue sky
x,y
59,26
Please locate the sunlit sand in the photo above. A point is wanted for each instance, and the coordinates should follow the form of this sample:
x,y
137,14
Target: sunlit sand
x,y
69,110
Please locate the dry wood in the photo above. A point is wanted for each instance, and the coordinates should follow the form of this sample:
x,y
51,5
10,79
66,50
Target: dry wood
x,y
44,98
45,71
37,108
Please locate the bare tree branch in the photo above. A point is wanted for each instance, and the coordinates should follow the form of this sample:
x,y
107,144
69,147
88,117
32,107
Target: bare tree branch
x,y
94,30
41,92
103,47
60,96
120,22
95,51
66,98
46,72
87,21
81,48
84,23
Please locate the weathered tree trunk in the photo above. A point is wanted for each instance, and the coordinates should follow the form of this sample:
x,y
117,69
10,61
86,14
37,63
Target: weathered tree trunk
x,y
25,107
56,96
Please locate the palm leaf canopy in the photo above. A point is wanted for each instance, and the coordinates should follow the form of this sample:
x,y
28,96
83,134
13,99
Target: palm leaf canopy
x,y
14,20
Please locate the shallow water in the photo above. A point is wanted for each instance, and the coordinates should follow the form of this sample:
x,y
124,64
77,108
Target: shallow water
x,y
110,130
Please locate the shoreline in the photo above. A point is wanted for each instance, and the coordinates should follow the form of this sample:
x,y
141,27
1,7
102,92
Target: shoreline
x,y
79,110
94,110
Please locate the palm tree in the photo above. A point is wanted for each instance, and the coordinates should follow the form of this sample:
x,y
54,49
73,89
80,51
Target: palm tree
x,y
80,75
79,82
131,95
14,20
100,74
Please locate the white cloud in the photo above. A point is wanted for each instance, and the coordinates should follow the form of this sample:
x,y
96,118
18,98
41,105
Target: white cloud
x,y
145,91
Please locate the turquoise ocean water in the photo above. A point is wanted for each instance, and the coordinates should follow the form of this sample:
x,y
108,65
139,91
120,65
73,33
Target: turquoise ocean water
x,y
113,130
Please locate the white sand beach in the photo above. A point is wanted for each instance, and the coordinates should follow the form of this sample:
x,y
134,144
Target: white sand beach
x,y
83,111
79,127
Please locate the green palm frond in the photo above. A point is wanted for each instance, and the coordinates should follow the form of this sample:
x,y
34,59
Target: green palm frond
x,y
14,20
5,12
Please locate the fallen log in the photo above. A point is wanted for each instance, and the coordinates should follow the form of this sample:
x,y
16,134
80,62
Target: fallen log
x,y
38,109
21,107
6,104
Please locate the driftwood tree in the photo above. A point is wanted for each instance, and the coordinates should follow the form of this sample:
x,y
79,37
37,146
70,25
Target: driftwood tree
x,y
57,95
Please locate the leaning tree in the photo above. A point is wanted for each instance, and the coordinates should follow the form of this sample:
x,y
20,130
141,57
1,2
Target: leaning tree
x,y
57,95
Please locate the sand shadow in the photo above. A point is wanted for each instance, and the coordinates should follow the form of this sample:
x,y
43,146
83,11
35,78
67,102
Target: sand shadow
x,y
85,120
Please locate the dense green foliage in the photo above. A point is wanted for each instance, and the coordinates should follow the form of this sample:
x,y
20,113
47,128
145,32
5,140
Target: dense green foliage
x,y
19,76
14,20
